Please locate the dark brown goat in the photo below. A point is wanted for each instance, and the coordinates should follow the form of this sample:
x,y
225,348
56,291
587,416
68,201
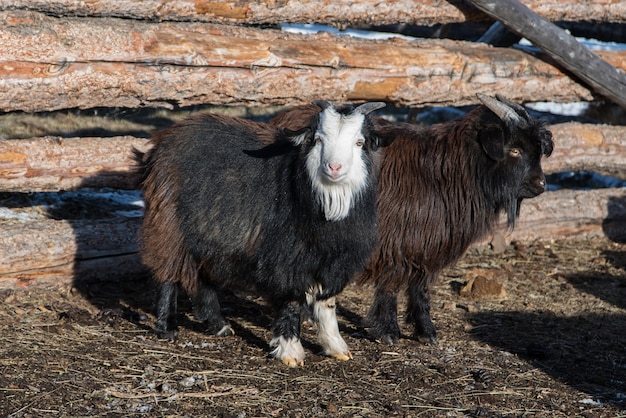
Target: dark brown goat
x,y
441,189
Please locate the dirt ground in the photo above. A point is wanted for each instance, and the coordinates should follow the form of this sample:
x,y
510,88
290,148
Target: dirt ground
x,y
553,346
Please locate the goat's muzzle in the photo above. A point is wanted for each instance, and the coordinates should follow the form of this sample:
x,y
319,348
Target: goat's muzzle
x,y
534,187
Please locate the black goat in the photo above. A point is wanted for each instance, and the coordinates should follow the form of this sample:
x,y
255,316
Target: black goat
x,y
296,217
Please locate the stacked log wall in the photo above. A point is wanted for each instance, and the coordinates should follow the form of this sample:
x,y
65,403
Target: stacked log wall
x,y
67,54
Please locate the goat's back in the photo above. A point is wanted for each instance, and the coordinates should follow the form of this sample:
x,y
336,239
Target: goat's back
x,y
430,207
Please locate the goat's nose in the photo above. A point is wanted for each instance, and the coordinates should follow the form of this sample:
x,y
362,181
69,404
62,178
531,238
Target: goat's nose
x,y
334,168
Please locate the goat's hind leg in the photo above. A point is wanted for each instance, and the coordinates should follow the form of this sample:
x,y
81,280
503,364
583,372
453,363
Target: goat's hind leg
x,y
382,319
206,308
418,311
166,307
286,330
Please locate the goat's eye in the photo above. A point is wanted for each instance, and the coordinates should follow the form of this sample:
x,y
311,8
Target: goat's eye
x,y
515,152
360,143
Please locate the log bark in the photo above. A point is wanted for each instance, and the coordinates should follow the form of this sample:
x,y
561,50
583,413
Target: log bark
x,y
59,251
601,76
63,64
56,252
337,12
53,164
586,147
573,213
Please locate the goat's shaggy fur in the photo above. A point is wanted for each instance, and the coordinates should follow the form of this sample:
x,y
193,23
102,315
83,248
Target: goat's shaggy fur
x,y
223,208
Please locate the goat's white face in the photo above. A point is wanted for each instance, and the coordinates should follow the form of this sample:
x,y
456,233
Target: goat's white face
x,y
336,163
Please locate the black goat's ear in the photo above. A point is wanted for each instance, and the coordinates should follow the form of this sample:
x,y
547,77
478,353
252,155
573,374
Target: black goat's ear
x,y
492,141
299,136
382,137
383,140
383,133
547,144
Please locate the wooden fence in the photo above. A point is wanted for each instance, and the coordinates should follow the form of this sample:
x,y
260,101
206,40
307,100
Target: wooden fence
x,y
72,54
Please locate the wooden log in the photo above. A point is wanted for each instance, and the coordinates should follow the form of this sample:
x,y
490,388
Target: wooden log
x,y
586,147
52,164
601,76
63,64
573,213
56,252
49,251
337,12
498,35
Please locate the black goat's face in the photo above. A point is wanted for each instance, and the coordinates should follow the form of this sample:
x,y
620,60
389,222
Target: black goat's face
x,y
515,149
527,161
517,153
517,143
517,175
538,143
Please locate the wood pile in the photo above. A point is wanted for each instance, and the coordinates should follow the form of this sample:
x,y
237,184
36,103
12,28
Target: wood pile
x,y
70,54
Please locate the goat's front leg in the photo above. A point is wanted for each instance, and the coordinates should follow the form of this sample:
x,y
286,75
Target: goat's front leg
x,y
418,311
286,340
324,312
382,319
325,315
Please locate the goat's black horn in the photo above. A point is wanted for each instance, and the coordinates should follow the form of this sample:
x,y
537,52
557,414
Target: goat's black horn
x,y
502,110
366,108
516,106
322,104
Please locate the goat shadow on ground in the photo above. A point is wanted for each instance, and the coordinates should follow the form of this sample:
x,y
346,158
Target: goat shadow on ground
x,y
586,351
609,287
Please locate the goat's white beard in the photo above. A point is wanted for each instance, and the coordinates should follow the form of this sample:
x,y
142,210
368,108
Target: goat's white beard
x,y
336,199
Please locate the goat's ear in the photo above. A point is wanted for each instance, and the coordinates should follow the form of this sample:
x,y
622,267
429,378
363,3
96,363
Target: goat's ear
x,y
547,144
492,141
383,134
385,140
299,136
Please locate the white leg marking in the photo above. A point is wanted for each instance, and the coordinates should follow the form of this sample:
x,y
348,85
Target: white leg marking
x,y
328,330
289,351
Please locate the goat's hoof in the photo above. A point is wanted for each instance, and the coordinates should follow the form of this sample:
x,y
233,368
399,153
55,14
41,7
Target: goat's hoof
x,y
387,339
170,335
226,331
343,356
428,339
292,362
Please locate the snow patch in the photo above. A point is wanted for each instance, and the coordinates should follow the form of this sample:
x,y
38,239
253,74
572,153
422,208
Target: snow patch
x,y
589,401
565,109
308,28
7,213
